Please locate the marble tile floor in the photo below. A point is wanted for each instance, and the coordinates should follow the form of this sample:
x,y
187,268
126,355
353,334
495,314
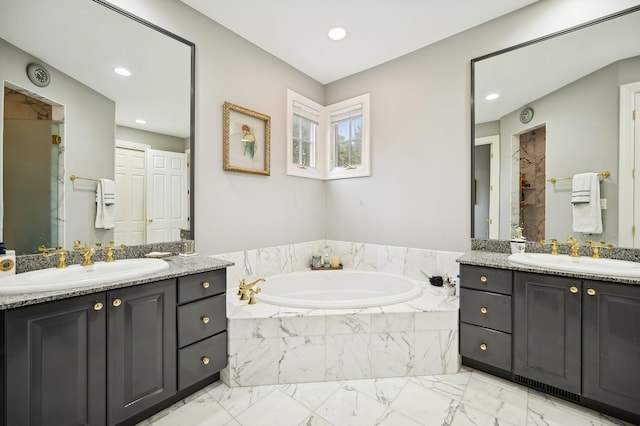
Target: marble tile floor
x,y
466,398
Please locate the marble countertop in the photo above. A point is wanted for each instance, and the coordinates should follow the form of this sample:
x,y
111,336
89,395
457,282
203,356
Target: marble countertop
x,y
178,266
500,261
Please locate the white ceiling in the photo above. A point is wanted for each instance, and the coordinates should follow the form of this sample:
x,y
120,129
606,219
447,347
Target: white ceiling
x,y
377,30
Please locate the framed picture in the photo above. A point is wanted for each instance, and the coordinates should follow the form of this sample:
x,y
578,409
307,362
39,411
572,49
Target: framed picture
x,y
247,140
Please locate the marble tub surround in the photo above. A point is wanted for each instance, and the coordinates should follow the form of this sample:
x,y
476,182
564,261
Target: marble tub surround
x,y
413,263
270,344
501,261
34,262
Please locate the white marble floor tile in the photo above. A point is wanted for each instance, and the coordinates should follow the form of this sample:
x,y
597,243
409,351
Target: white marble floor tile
x,y
496,397
548,410
202,411
315,420
383,390
277,408
393,418
310,395
469,416
350,407
236,400
424,405
449,385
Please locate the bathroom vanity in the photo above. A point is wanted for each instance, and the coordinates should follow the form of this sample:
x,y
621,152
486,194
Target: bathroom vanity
x,y
113,354
572,335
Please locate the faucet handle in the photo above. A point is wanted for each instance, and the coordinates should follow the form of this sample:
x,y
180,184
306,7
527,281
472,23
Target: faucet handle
x,y
109,248
595,247
62,254
554,245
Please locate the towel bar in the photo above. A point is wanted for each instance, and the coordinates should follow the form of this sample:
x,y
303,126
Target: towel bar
x,y
74,177
603,175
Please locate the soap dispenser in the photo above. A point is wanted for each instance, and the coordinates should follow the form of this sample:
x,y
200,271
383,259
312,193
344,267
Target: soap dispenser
x,y
7,261
518,242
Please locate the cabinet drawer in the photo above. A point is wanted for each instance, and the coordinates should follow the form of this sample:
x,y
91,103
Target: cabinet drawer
x,y
486,309
199,286
486,345
201,319
483,278
201,360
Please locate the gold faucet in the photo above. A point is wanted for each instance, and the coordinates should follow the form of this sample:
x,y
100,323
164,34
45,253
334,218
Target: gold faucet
x,y
554,245
243,288
86,251
109,248
62,254
574,247
595,247
252,299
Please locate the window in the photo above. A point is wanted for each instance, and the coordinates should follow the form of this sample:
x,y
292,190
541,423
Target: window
x,y
328,142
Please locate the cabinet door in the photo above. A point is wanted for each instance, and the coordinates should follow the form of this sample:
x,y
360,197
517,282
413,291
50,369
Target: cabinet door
x,y
56,363
547,330
141,355
611,346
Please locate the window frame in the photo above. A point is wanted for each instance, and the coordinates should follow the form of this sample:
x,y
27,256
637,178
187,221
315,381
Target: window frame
x,y
325,146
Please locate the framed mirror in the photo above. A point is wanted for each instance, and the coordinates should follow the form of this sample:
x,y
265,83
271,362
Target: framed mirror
x,y
136,130
546,110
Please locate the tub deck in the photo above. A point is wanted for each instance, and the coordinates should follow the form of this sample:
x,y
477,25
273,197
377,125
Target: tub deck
x,y
271,344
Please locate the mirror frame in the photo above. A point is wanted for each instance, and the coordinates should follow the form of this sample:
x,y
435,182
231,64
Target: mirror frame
x,y
192,101
506,50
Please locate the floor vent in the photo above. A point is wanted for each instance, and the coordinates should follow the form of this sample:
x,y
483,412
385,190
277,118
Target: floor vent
x,y
569,396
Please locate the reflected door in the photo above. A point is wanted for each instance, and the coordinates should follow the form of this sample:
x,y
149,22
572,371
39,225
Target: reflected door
x,y
167,196
130,175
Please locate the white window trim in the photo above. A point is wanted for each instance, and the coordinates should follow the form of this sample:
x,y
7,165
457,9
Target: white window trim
x,y
324,169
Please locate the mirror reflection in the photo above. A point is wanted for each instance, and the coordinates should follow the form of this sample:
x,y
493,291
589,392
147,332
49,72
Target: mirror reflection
x,y
547,112
93,123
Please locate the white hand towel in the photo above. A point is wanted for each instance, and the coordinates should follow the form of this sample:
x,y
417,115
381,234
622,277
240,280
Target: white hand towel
x,y
108,191
587,216
581,188
105,213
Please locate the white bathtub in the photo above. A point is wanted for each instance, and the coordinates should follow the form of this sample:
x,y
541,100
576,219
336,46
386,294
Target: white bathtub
x,y
338,289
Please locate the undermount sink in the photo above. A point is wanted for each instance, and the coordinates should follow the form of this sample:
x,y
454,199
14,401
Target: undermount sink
x,y
589,265
75,276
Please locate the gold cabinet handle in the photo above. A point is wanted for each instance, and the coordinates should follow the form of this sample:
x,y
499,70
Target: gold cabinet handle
x,y
117,302
205,284
205,360
484,310
591,292
150,220
483,279
98,306
205,320
483,347
573,289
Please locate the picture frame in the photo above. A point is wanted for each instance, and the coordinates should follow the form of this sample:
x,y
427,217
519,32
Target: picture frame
x,y
246,141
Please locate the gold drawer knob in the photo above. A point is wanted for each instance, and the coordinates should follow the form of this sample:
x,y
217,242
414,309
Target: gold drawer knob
x,y
483,347
573,289
205,284
205,360
205,320
483,279
484,310
117,302
98,306
591,292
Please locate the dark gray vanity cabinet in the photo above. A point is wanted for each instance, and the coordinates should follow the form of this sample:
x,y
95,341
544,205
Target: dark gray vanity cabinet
x,y
611,344
141,348
547,329
485,316
55,358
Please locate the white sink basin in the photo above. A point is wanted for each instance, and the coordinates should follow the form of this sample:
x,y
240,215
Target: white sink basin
x,y
76,276
566,263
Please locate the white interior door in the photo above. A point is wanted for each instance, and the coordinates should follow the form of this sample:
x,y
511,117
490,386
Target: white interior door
x,y
493,187
167,197
130,176
629,162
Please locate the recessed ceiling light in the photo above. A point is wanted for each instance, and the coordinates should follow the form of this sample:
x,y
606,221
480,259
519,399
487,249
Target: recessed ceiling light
x,y
492,96
122,71
140,121
337,33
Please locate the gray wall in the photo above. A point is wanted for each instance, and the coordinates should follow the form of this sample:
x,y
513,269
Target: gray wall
x,y
155,140
418,194
87,143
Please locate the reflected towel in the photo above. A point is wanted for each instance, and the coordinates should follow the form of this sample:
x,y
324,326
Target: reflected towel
x,y
105,208
581,188
587,216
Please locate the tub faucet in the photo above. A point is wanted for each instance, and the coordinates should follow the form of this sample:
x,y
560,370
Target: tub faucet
x,y
243,288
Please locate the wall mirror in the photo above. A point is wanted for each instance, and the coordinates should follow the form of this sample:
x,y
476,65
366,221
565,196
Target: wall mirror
x,y
94,117
556,112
